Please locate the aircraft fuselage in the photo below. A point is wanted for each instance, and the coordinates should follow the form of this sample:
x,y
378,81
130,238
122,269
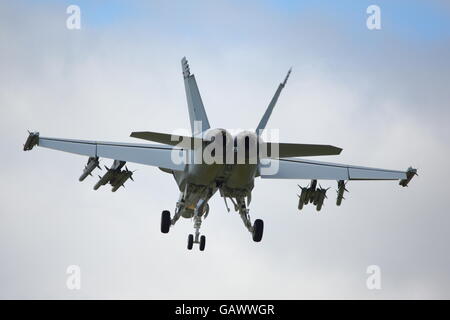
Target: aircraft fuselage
x,y
199,182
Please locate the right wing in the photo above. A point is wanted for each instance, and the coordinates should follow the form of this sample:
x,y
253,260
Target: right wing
x,y
147,154
308,169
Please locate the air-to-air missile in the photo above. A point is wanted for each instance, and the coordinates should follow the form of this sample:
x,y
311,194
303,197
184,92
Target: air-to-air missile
x,y
32,140
410,173
89,167
340,192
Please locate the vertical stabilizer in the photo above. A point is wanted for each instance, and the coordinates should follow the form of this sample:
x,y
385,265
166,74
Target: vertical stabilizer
x,y
197,115
262,124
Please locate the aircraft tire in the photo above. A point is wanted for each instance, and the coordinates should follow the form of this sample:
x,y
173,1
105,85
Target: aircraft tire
x,y
165,221
202,243
190,242
258,229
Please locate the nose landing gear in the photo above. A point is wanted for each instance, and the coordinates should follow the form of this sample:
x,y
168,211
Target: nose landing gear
x,y
166,222
198,240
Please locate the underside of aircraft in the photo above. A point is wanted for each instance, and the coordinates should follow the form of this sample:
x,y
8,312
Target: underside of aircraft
x,y
211,160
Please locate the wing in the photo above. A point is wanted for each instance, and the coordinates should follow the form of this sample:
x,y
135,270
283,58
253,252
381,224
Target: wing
x,y
147,154
308,169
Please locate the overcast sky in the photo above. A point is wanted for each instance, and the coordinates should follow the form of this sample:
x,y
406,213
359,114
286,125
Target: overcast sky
x,y
383,96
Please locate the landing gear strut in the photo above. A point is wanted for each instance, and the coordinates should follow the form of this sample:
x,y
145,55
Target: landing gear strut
x,y
198,218
257,228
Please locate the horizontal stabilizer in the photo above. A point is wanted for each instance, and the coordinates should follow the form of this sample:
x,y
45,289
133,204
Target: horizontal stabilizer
x,y
288,150
169,139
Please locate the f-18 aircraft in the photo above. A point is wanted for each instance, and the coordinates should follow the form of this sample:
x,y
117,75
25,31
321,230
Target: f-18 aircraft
x,y
198,181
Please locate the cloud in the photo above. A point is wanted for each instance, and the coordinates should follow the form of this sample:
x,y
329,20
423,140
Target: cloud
x,y
380,97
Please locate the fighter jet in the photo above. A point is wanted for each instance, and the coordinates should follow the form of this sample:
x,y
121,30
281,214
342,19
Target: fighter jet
x,y
210,160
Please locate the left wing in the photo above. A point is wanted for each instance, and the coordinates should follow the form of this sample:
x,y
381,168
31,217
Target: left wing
x,y
307,169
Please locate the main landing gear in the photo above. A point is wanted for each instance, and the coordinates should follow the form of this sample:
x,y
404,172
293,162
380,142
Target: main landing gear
x,y
257,229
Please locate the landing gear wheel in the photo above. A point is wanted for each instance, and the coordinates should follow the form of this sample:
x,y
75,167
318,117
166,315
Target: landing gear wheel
x,y
165,221
202,243
190,242
258,228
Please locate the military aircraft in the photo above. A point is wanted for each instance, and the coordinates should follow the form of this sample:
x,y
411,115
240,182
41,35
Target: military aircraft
x,y
232,171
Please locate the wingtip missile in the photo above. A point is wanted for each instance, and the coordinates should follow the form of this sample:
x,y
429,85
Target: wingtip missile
x,y
32,140
410,173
